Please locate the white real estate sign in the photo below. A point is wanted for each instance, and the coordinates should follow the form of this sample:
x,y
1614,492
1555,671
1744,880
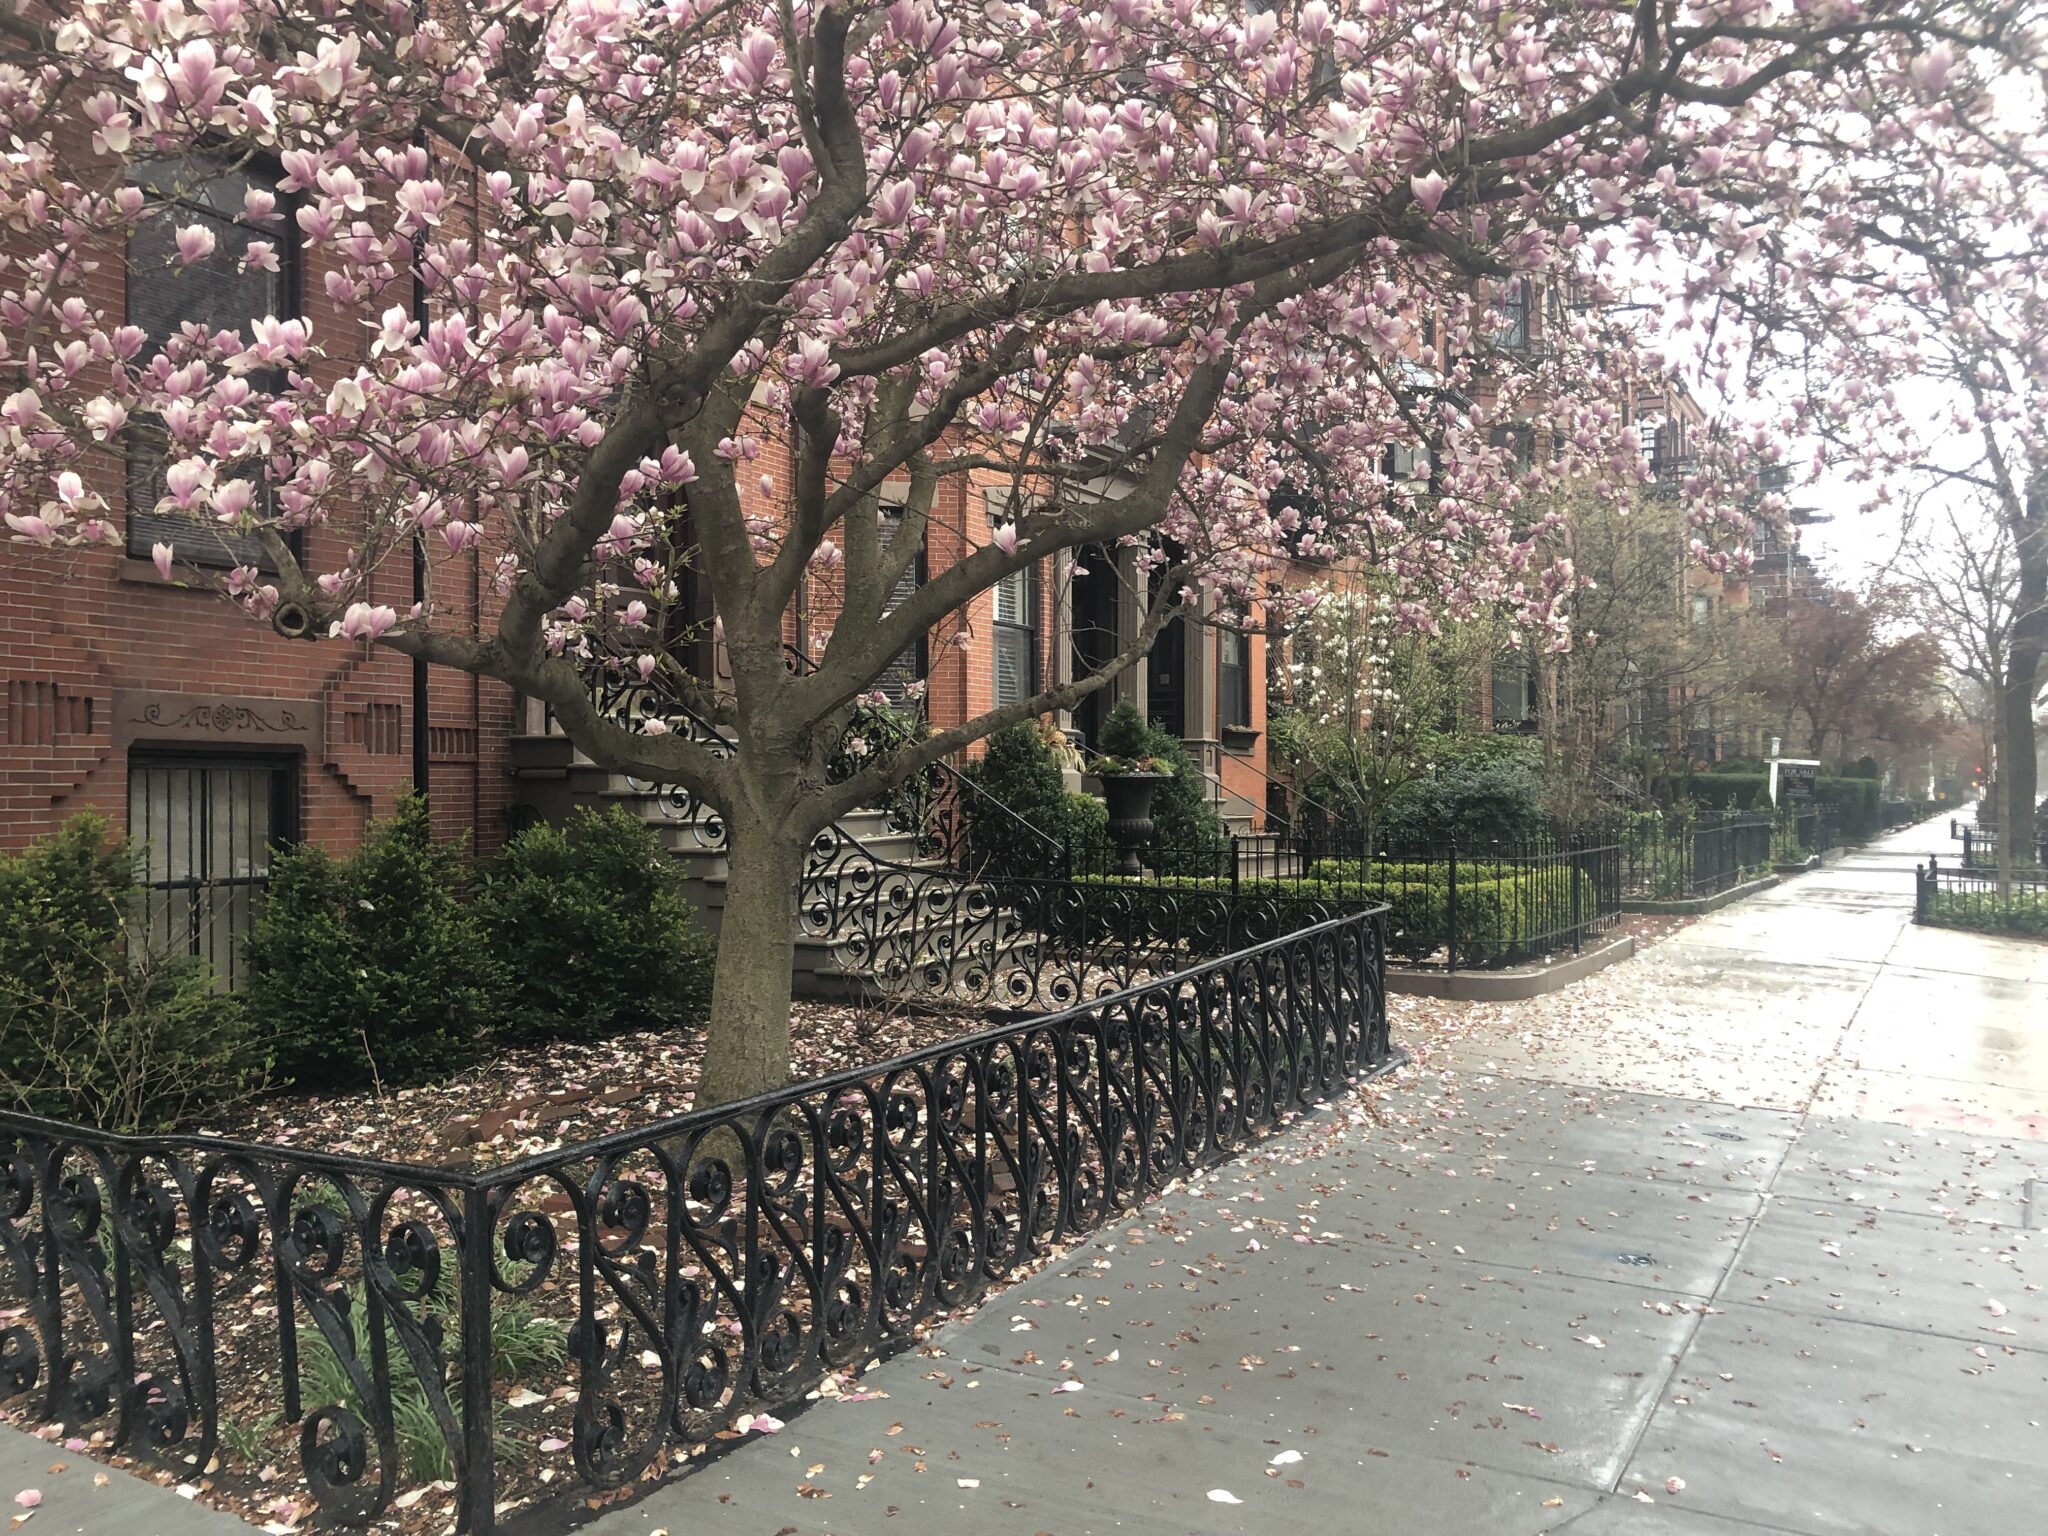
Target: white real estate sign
x,y
1792,779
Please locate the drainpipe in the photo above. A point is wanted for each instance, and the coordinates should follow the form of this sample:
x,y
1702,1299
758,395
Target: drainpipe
x,y
420,752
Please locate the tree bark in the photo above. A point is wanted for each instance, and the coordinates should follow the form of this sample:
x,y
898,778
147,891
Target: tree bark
x,y
746,1048
2022,675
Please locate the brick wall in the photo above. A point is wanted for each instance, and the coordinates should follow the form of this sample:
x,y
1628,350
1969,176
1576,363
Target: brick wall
x,y
100,659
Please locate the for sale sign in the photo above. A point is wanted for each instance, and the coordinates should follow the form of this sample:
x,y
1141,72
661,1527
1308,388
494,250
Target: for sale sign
x,y
1792,779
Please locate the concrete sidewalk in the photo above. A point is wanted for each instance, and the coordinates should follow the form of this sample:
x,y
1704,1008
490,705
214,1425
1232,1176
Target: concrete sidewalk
x,y
1749,1211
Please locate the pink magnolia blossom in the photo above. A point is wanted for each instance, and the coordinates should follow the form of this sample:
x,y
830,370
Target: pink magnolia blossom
x,y
195,243
1189,259
160,557
365,621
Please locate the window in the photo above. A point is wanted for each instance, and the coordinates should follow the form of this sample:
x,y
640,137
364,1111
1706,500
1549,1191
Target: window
x,y
1514,309
206,828
1512,703
215,292
1519,439
1233,679
899,677
1016,637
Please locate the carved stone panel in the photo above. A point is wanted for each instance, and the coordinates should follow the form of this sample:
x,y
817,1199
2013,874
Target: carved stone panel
x,y
149,716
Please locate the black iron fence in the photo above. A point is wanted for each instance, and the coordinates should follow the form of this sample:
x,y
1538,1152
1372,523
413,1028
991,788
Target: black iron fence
x,y
1449,907
1980,847
561,1327
1672,859
1977,898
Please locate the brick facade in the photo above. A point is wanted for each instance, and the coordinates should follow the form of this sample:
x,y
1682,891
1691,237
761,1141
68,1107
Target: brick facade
x,y
102,662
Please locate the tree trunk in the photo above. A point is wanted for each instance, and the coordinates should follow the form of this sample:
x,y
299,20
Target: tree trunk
x,y
2017,784
2022,675
746,1049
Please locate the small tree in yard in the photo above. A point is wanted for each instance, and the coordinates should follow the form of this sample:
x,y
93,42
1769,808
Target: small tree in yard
x,y
759,291
1371,707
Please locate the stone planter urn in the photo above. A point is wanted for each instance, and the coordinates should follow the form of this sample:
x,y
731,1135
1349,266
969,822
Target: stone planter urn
x,y
1129,798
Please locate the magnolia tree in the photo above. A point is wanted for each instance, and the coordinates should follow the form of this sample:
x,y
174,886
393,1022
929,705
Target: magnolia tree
x,y
1918,356
1367,703
742,292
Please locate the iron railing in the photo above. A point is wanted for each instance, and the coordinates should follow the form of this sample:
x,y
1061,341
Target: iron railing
x,y
1450,907
1980,848
1686,860
564,1326
1977,898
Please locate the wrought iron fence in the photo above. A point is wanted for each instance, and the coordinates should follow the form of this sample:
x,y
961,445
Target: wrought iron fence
x,y
1980,849
1449,907
1802,833
1668,859
563,1325
1977,898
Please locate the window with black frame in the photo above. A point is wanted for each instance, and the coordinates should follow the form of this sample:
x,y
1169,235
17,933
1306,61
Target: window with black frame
x,y
205,828
1016,637
1233,680
220,291
1514,309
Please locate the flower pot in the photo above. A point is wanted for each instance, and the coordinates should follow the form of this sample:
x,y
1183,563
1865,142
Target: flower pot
x,y
1129,798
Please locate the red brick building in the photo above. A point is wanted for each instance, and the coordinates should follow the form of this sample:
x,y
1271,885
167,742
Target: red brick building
x,y
210,739
160,705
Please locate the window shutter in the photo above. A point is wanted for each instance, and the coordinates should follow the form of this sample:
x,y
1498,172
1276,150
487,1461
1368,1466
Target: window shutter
x,y
907,666
1016,637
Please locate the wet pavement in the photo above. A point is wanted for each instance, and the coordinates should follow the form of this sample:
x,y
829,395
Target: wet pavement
x,y
1751,1211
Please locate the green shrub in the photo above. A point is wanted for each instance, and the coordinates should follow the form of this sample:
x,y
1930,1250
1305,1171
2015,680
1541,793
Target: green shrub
x,y
1019,773
1857,809
1499,918
1476,803
2025,915
370,969
1188,836
1087,832
592,933
92,1029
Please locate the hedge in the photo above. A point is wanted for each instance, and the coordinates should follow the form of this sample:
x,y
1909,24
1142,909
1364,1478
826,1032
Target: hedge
x,y
1498,919
94,1026
1855,802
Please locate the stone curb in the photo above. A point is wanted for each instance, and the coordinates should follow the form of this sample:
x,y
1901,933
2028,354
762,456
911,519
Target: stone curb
x,y
1699,906
1515,986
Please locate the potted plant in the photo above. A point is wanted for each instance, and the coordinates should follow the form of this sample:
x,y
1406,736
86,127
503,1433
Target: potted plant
x,y
1128,784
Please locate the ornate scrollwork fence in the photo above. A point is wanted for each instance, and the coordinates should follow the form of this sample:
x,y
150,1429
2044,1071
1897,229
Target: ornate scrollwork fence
x,y
196,1299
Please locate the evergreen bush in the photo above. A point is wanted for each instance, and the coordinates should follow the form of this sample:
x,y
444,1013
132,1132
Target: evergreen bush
x,y
1474,804
94,1028
370,969
592,933
1019,773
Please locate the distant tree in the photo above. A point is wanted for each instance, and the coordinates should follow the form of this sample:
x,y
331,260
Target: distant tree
x,y
1853,670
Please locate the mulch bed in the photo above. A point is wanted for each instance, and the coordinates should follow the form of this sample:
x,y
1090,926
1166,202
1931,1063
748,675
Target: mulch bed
x,y
537,1099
